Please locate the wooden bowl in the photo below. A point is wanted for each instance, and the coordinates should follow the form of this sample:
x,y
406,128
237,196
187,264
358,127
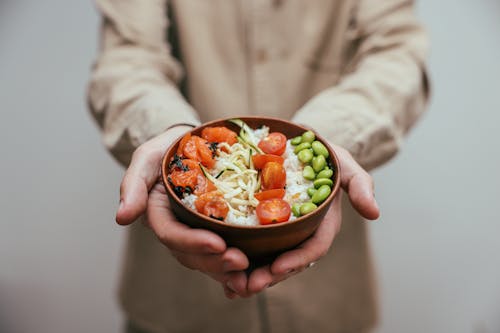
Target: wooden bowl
x,y
263,241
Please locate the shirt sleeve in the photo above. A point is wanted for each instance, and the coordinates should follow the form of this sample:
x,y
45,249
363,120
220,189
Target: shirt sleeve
x,y
384,89
133,92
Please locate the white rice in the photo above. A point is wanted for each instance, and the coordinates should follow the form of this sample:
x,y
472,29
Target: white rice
x,y
296,186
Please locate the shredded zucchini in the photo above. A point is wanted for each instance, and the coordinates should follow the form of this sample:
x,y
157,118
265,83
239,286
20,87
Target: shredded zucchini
x,y
234,173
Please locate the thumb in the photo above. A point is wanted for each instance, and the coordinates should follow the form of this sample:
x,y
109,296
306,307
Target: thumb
x,y
358,184
139,178
143,173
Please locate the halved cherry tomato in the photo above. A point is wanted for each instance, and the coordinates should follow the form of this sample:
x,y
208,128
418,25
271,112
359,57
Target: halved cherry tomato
x,y
204,185
273,176
219,134
274,143
273,211
260,160
184,139
212,204
270,194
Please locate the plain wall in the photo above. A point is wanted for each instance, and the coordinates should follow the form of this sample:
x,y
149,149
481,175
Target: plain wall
x,y
436,246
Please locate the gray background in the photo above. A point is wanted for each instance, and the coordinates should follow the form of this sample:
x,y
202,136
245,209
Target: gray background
x,y
436,246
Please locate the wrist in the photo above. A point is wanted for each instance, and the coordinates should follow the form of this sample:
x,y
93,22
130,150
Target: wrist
x,y
177,130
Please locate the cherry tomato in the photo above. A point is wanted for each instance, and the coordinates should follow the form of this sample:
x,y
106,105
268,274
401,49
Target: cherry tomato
x,y
274,143
212,204
273,211
260,160
219,134
273,176
270,194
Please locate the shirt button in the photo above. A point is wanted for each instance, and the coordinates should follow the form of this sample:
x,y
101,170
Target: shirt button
x,y
277,3
261,56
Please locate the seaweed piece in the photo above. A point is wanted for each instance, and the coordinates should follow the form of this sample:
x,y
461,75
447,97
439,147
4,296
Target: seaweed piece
x,y
213,147
179,190
220,218
177,163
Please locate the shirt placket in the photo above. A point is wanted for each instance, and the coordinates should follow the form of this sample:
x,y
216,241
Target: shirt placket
x,y
262,52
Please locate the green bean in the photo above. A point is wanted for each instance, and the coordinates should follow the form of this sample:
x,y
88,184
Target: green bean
x,y
307,207
308,172
296,209
322,181
296,141
320,149
321,194
308,136
318,163
303,145
325,173
305,155
311,191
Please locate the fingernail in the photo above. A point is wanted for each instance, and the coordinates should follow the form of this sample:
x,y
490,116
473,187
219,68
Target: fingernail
x,y
230,286
120,205
267,286
291,270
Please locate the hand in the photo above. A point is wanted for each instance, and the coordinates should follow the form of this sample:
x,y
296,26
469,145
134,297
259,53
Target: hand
x,y
358,185
141,192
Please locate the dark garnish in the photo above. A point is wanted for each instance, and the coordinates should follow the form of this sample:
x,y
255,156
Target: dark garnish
x,y
220,218
188,190
177,163
213,147
179,190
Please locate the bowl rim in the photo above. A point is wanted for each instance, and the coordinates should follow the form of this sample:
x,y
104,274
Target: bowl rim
x,y
333,157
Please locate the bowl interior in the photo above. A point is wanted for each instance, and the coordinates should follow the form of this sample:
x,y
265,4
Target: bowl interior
x,y
290,130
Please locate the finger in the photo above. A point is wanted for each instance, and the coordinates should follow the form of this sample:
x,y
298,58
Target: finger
x,y
139,178
358,184
142,174
260,279
175,235
228,292
218,266
237,283
313,248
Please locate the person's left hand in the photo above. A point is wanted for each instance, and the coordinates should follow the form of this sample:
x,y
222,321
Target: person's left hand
x,y
358,185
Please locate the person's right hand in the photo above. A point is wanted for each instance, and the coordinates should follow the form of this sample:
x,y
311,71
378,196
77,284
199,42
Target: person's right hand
x,y
141,192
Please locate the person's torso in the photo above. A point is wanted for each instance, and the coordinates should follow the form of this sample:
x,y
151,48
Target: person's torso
x,y
260,57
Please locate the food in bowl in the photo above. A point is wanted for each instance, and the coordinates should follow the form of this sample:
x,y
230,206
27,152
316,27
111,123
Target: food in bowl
x,y
253,177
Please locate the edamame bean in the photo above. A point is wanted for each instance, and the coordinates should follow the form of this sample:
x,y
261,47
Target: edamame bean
x,y
307,207
296,209
319,148
325,173
296,141
311,191
308,136
322,181
318,163
308,172
305,156
303,145
321,194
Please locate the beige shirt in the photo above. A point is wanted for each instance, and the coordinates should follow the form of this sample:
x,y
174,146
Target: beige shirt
x,y
353,70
